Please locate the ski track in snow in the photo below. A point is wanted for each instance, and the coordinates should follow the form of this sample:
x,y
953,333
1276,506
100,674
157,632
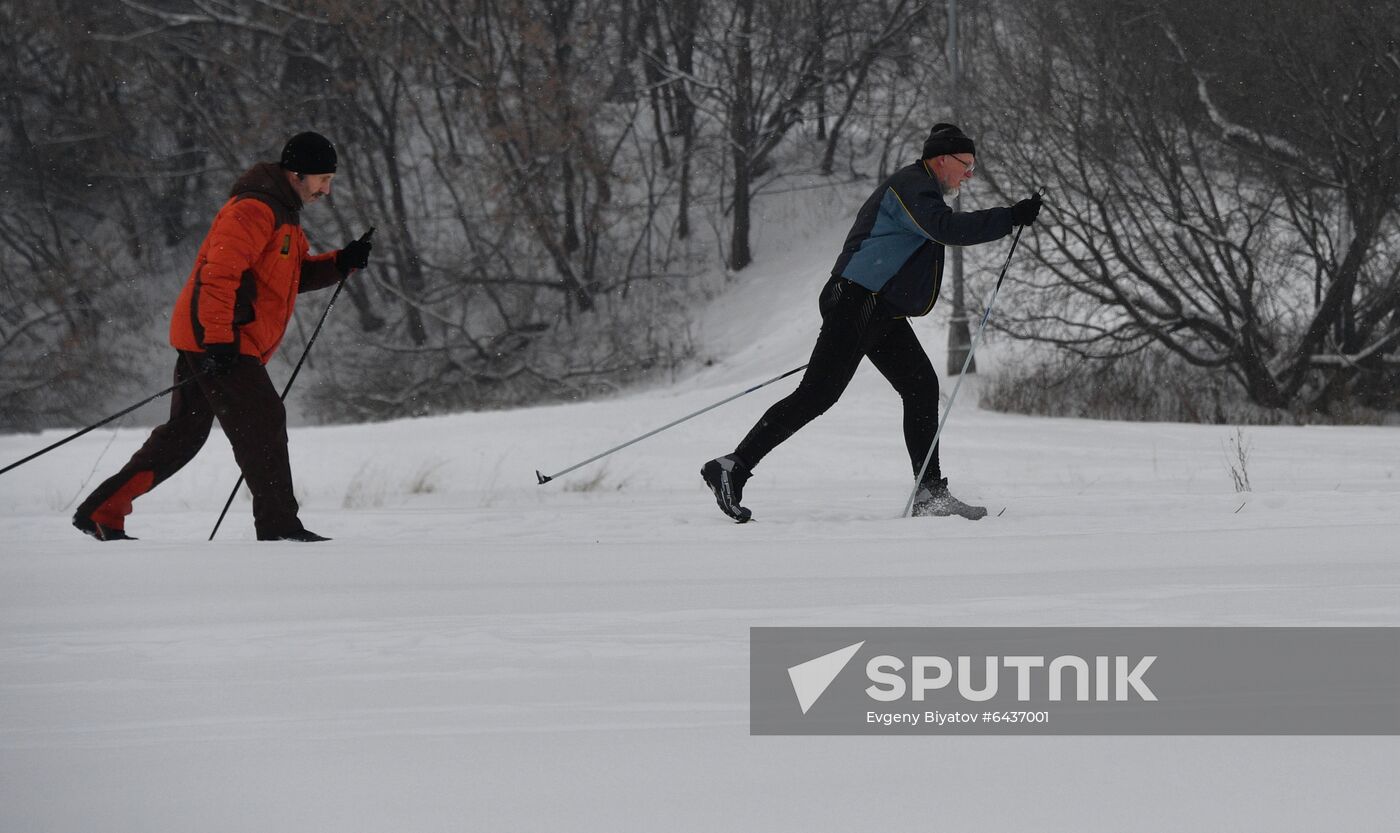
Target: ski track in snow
x,y
476,652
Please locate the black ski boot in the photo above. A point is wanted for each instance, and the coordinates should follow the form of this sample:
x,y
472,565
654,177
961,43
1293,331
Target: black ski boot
x,y
934,500
726,477
305,536
88,526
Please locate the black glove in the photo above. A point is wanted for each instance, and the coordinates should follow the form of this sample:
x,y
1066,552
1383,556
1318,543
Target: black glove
x,y
354,255
1024,212
218,359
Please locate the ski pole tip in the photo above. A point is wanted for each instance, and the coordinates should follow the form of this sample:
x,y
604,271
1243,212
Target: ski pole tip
x,y
543,480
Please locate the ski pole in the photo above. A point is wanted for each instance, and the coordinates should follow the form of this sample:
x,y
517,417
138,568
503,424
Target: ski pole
x,y
287,387
545,478
976,339
96,425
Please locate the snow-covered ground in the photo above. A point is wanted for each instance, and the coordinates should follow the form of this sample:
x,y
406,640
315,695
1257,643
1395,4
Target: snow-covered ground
x,y
477,652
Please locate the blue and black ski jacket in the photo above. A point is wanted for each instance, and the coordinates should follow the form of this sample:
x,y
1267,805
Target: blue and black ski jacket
x,y
895,248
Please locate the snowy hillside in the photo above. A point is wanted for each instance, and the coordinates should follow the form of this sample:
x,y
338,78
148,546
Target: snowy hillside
x,y
476,652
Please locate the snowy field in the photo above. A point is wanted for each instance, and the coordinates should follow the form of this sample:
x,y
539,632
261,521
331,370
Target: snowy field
x,y
474,652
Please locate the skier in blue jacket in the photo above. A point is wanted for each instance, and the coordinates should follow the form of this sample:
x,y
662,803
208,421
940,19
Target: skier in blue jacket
x,y
889,270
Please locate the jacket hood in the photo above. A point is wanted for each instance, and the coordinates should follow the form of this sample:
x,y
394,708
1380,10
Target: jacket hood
x,y
266,179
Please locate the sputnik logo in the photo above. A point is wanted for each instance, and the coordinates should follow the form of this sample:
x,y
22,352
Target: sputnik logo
x,y
811,678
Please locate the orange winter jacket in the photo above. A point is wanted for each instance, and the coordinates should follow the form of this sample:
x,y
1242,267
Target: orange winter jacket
x,y
249,270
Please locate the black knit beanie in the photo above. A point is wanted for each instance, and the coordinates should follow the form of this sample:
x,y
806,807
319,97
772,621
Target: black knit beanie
x,y
309,153
946,138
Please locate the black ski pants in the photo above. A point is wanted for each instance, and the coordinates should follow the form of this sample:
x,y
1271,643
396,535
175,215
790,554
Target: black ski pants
x,y
856,325
255,421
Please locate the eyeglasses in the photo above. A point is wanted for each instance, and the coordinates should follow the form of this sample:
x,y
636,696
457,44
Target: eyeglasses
x,y
970,166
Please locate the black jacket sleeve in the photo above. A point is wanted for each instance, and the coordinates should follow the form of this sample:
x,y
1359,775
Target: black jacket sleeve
x,y
931,216
318,272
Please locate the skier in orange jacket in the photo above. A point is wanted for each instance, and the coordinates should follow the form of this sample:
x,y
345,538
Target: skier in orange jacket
x,y
228,321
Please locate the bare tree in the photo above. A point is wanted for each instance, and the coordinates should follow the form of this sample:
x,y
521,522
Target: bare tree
x,y
76,237
1189,215
534,207
775,60
534,169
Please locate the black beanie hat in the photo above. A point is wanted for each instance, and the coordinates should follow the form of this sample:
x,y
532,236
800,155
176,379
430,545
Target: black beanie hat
x,y
947,138
309,153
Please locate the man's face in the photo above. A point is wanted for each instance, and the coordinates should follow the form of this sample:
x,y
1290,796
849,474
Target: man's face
x,y
952,170
311,187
